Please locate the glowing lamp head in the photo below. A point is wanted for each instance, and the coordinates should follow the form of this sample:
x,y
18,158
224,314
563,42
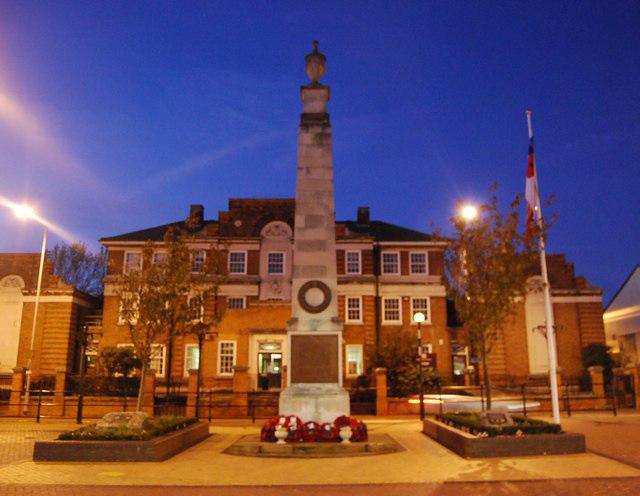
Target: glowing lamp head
x,y
469,212
419,317
24,211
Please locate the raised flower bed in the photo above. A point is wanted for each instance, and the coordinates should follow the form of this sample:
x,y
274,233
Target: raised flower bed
x,y
466,435
159,438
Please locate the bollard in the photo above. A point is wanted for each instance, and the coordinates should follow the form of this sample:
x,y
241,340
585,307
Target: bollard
x,y
39,405
524,400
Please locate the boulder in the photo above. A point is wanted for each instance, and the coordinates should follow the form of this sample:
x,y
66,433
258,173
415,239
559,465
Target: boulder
x,y
495,419
130,420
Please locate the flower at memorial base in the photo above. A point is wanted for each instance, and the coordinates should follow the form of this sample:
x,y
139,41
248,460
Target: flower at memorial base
x,y
519,433
268,433
328,432
358,429
311,431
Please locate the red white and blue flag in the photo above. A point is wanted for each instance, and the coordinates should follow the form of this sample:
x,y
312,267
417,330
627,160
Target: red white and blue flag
x,y
531,191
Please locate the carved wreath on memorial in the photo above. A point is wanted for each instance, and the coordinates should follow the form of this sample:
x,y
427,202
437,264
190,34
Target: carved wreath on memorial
x,y
303,296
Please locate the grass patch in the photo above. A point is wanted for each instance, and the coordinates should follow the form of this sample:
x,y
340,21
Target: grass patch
x,y
152,427
470,422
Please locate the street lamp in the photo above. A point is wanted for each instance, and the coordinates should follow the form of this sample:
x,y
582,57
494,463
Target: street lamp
x,y
469,212
419,318
27,212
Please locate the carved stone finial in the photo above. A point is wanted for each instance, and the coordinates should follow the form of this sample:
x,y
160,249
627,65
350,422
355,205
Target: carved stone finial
x,y
316,64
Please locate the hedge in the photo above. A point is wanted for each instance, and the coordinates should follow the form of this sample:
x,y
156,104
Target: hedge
x,y
470,422
152,427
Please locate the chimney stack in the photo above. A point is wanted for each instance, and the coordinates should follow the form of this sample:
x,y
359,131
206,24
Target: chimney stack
x,y
363,216
196,217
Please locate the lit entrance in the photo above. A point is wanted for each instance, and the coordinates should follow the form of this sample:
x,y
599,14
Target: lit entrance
x,y
269,366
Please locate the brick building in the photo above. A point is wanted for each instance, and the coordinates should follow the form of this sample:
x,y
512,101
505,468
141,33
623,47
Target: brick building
x,y
385,273
61,310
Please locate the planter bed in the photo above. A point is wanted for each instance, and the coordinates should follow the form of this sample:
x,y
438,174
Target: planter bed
x,y
503,446
155,449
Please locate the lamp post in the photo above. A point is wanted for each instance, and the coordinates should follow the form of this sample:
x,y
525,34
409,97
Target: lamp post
x,y
201,331
419,318
26,212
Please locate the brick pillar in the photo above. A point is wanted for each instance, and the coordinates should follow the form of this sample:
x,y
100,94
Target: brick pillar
x,y
149,391
15,399
283,380
382,406
192,390
241,388
636,385
597,385
58,395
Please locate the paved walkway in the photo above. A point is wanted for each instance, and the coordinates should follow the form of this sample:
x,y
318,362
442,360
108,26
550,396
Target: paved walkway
x,y
425,468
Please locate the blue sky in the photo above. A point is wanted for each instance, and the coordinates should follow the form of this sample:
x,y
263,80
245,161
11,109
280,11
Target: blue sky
x,y
115,116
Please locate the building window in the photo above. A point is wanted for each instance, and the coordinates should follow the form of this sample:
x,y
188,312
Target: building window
x,y
354,360
236,302
132,316
391,263
238,262
226,357
132,261
392,310
352,262
197,261
275,265
422,304
191,358
160,258
418,263
157,358
353,308
195,308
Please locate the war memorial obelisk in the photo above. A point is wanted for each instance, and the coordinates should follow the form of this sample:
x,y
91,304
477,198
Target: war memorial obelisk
x,y
314,374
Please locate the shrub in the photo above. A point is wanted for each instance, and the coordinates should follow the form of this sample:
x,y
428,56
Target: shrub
x,y
119,360
597,354
470,422
152,427
98,385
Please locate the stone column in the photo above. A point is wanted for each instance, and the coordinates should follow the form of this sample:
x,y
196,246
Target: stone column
x,y
241,388
597,385
15,398
58,395
314,380
148,396
192,390
382,406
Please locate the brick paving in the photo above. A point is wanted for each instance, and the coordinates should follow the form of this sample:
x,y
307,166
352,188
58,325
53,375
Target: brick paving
x,y
17,437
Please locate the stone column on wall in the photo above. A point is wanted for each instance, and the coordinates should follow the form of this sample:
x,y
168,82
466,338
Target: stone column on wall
x,y
241,388
382,406
192,393
149,392
597,385
15,398
58,395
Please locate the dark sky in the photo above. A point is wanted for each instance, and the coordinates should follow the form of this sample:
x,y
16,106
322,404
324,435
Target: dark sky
x,y
115,116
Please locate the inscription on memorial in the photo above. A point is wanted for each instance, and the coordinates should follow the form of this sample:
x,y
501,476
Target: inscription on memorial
x,y
314,359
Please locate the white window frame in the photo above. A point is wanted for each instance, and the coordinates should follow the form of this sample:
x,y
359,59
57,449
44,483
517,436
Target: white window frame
x,y
125,266
360,367
284,262
154,345
186,357
346,262
189,298
426,263
121,320
245,262
346,309
382,271
244,302
427,319
219,364
159,252
204,260
384,317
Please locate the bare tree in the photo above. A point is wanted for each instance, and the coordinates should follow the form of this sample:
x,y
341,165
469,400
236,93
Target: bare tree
x,y
488,262
80,267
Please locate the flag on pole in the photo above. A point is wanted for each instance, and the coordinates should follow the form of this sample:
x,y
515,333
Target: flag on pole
x,y
531,191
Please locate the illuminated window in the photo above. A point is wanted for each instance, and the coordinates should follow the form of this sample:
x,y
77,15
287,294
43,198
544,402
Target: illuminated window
x,y
237,262
418,263
275,265
157,358
353,308
392,307
353,263
226,357
353,354
191,358
391,263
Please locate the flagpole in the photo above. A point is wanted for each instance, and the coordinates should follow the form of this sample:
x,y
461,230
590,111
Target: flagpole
x,y
551,338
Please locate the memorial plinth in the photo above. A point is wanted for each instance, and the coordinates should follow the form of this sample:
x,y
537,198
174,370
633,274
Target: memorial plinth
x,y
315,333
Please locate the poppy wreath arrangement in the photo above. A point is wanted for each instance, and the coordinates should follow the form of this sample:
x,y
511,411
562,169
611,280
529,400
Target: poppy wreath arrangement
x,y
312,431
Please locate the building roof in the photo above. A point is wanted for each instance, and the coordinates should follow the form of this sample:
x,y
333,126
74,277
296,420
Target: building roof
x,y
378,230
628,293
